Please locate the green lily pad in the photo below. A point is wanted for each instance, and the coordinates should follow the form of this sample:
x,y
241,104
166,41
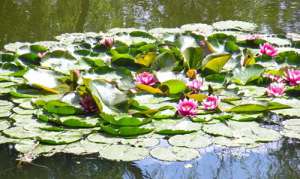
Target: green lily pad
x,y
241,142
21,111
126,130
190,140
215,62
105,95
83,147
235,25
247,75
44,79
58,138
249,108
75,121
170,127
102,138
164,62
27,105
219,129
124,153
292,112
4,125
174,153
174,86
125,120
19,133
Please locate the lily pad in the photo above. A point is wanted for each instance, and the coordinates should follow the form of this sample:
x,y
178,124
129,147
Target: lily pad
x,y
124,153
43,79
195,140
234,25
4,125
176,127
58,138
174,153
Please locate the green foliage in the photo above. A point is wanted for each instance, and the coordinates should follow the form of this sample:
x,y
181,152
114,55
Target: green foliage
x,y
84,97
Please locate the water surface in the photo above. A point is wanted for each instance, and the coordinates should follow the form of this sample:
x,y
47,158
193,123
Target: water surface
x,y
32,20
274,160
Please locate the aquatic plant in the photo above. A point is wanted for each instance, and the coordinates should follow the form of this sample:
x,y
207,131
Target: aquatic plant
x,y
120,93
211,102
187,107
268,49
276,89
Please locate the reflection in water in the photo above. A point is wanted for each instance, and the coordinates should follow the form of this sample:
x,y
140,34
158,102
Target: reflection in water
x,y
31,20
275,160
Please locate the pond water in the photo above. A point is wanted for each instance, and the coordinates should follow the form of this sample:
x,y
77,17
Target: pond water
x,y
275,160
34,20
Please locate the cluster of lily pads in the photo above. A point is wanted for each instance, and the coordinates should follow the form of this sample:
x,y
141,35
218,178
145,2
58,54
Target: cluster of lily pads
x,y
123,92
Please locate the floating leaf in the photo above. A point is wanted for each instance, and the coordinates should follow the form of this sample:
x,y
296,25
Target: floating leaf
x,y
105,95
175,127
193,57
61,108
164,62
58,138
215,62
195,140
124,153
247,75
146,59
174,153
43,79
234,25
149,89
174,86
249,108
125,120
75,121
126,130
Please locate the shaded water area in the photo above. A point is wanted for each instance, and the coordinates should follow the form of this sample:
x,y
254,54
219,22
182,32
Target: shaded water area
x,y
34,20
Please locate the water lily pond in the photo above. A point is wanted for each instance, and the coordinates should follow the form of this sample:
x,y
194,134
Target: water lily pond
x,y
196,101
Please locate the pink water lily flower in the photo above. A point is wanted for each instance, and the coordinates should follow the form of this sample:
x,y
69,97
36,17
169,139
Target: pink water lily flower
x,y
211,102
196,84
293,77
146,78
274,78
108,42
88,104
187,107
276,89
268,49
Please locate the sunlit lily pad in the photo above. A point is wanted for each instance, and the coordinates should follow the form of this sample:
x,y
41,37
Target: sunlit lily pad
x,y
58,138
218,130
20,133
236,25
124,153
44,79
101,138
176,127
174,153
195,140
4,125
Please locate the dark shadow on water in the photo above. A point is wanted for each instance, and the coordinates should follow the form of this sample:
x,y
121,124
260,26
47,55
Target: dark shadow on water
x,y
275,160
